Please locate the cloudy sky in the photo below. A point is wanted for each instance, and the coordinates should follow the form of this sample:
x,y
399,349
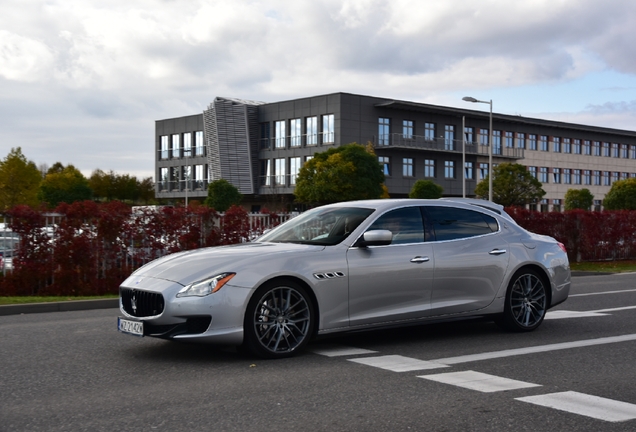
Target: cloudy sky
x,y
83,81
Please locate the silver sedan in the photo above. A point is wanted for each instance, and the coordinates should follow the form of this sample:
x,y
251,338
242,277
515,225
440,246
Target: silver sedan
x,y
351,266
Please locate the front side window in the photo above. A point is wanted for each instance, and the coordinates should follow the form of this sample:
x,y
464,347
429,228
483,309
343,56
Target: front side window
x,y
279,134
385,162
407,129
407,167
405,224
328,129
429,168
384,130
311,124
455,223
295,133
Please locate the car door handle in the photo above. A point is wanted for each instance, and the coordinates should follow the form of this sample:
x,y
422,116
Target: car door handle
x,y
420,259
497,251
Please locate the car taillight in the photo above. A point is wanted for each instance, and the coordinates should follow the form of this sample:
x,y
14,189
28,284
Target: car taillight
x,y
562,246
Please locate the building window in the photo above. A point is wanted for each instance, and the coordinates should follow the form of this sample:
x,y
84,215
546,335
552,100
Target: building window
x,y
521,140
164,147
264,135
587,177
483,137
576,176
567,176
164,180
606,149
606,178
311,123
496,142
483,171
624,176
384,129
576,146
328,129
614,176
556,144
279,134
468,170
449,137
509,139
187,144
187,177
429,131
632,152
407,167
597,205
597,178
533,171
429,168
469,135
556,205
385,162
449,169
543,204
175,173
294,168
295,133
624,151
199,148
198,178
567,145
556,175
615,152
587,147
596,146
543,143
266,171
279,167
407,129
175,146
532,142
543,174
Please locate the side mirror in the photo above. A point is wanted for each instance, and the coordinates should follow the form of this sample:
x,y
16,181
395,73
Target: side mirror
x,y
375,238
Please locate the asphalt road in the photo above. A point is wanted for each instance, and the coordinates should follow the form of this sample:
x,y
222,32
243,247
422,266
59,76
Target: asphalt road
x,y
72,371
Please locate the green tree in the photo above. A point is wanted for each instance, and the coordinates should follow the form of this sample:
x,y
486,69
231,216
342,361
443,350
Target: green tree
x,y
512,185
19,181
578,199
426,189
222,195
146,190
345,173
65,184
621,196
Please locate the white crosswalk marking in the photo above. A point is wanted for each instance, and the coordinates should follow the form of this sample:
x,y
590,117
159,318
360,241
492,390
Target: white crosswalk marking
x,y
398,363
586,405
479,381
338,351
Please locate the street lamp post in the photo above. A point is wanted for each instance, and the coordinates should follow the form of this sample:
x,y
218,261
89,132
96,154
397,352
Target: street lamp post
x,y
490,143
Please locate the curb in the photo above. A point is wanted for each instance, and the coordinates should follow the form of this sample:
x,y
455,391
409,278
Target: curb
x,y
66,306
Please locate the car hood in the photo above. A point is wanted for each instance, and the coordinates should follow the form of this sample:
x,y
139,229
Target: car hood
x,y
195,265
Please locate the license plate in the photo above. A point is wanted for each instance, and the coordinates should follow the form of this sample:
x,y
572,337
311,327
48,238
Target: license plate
x,y
135,328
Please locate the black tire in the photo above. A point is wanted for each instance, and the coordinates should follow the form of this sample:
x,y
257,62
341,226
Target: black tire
x,y
279,320
526,302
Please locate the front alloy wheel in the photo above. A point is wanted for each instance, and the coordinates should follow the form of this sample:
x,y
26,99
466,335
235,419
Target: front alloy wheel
x,y
526,302
279,320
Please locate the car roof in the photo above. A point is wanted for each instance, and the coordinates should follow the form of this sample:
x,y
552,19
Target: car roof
x,y
466,203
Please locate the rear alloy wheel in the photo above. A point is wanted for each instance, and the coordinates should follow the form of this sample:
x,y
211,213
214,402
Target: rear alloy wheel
x,y
279,320
526,302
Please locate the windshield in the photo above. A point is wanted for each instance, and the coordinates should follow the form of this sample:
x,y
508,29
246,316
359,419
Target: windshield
x,y
320,226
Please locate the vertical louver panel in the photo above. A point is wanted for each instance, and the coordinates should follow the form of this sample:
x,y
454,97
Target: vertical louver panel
x,y
231,128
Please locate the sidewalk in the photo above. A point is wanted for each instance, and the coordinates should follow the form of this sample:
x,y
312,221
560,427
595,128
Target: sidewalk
x,y
75,305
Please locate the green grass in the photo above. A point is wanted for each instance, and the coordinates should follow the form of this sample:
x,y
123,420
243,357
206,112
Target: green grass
x,y
605,266
47,299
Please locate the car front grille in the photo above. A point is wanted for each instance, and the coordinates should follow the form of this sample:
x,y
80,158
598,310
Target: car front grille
x,y
141,303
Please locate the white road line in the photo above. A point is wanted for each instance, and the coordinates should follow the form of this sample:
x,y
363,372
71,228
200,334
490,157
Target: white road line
x,y
398,363
615,309
533,350
601,293
586,405
479,381
337,351
562,314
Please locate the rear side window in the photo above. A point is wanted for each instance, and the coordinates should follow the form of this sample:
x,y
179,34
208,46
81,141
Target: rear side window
x,y
451,223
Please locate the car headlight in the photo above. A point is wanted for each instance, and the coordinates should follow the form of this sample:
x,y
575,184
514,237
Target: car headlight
x,y
206,286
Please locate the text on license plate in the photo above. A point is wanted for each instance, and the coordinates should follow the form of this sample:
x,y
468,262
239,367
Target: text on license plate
x,y
131,327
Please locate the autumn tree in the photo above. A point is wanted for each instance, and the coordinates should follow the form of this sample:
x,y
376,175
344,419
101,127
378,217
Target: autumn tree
x,y
222,195
578,199
19,181
64,184
345,173
512,185
426,189
621,196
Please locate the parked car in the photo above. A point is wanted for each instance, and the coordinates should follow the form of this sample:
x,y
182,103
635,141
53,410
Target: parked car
x,y
351,266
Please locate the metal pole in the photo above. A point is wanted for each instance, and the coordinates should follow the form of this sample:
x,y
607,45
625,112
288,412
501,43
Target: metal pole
x,y
463,156
490,172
